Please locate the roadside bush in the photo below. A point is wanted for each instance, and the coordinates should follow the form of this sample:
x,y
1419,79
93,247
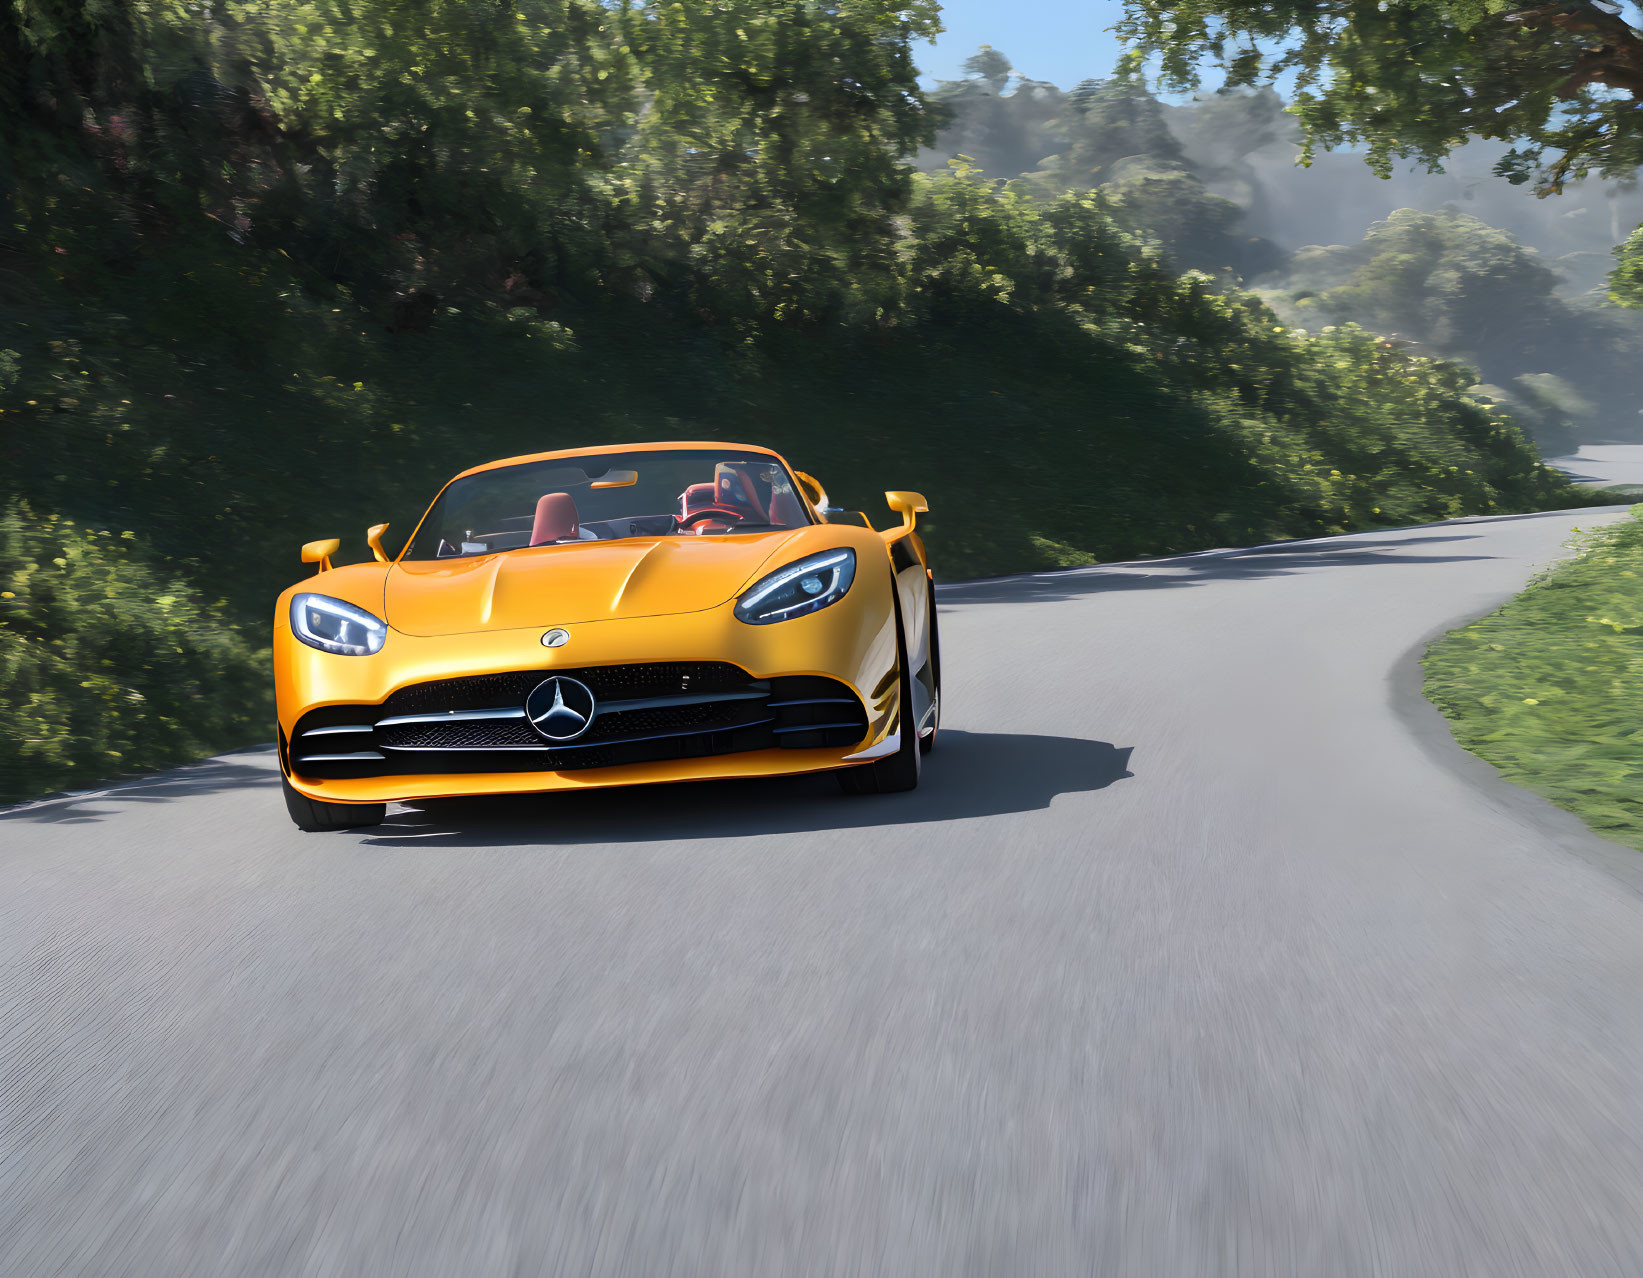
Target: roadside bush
x,y
1549,689
108,665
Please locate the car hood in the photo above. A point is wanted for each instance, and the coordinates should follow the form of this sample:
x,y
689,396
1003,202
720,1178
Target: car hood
x,y
562,585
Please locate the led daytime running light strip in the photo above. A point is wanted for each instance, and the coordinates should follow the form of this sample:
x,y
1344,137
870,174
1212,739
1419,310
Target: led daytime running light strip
x,y
773,583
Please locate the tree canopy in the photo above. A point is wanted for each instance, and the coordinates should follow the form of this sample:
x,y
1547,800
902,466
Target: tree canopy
x,y
1460,288
1110,135
1561,81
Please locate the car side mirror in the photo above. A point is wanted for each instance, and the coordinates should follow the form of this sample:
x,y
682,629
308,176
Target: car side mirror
x,y
320,552
909,506
373,539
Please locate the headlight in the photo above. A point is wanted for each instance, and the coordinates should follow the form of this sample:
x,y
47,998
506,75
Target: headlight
x,y
805,586
333,626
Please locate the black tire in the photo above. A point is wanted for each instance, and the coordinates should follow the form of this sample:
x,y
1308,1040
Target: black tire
x,y
899,771
314,814
927,744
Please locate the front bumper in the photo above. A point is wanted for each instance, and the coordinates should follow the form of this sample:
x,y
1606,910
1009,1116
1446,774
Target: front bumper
x,y
851,646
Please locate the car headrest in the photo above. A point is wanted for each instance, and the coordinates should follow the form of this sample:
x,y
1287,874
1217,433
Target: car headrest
x,y
555,519
694,498
733,486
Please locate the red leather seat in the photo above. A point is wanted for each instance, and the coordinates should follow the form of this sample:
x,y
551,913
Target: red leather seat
x,y
694,498
555,519
733,486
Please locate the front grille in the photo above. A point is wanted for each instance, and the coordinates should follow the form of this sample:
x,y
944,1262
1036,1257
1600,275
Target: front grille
x,y
645,713
485,734
608,683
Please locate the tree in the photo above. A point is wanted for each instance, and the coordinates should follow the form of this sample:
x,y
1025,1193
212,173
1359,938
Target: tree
x,y
1112,120
1561,81
988,64
1198,230
770,154
1114,135
1465,290
1626,284
1005,134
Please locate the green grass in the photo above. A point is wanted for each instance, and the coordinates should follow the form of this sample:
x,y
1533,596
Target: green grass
x,y
1549,689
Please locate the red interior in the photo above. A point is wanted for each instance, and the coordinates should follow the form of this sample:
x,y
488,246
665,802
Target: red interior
x,y
785,509
555,519
694,498
733,486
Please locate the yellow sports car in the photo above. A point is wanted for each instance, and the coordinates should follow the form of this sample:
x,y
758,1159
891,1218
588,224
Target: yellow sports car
x,y
609,616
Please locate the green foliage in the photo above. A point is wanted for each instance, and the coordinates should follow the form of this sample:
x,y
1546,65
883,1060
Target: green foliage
x,y
988,64
1198,230
1114,136
1561,81
767,167
1415,80
1626,284
1109,121
1549,689
108,664
1464,290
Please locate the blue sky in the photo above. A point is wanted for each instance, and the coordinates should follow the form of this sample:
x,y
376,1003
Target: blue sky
x,y
1063,41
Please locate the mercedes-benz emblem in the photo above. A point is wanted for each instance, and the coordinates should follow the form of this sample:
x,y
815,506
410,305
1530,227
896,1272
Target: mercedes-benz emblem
x,y
556,638
560,708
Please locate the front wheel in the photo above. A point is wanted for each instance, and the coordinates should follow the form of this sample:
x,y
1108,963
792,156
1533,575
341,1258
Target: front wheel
x,y
316,814
899,771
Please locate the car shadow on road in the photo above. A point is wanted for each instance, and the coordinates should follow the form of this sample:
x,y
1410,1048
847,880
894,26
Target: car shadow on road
x,y
234,772
1196,569
970,774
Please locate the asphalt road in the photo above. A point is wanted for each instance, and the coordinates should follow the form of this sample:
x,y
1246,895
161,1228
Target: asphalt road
x,y
1202,950
1602,464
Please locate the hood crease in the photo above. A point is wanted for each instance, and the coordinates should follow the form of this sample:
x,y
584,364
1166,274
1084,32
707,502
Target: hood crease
x,y
564,585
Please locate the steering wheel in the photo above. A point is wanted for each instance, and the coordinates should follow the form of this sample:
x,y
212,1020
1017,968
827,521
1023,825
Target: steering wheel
x,y
711,512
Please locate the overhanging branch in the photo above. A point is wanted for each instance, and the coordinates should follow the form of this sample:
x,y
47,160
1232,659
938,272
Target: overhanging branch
x,y
1617,62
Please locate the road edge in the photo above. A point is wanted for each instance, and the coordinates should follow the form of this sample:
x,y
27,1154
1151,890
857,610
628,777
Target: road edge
x,y
1406,695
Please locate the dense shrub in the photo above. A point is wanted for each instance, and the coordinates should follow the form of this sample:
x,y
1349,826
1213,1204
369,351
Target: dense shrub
x,y
108,664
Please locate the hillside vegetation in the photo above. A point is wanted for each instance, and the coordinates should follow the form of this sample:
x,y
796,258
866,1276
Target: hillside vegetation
x,y
272,271
1214,184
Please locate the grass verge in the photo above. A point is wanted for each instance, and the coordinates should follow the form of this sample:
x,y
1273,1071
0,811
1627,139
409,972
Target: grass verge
x,y
1549,689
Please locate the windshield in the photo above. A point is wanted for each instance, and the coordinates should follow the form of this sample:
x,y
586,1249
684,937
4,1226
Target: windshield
x,y
690,493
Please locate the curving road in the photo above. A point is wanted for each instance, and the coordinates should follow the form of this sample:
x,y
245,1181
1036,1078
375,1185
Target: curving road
x,y
1202,950
1603,465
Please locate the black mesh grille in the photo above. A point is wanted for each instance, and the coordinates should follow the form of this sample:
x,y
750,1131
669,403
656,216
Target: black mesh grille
x,y
608,683
696,718
474,692
470,734
795,712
